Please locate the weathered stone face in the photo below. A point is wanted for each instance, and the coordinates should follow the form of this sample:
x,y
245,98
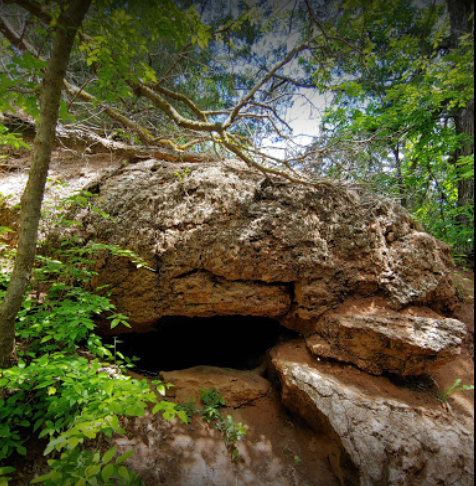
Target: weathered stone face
x,y
238,388
390,438
224,241
388,341
221,241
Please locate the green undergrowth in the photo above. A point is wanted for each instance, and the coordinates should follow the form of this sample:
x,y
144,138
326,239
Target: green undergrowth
x,y
66,386
212,401
456,387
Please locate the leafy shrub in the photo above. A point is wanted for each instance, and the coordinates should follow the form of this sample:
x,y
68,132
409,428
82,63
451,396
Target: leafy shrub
x,y
80,467
54,392
456,387
212,401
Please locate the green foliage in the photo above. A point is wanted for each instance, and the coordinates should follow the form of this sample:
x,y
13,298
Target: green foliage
x,y
11,139
55,392
19,86
71,400
81,467
456,387
390,123
4,475
54,213
182,175
63,322
297,460
68,397
212,401
234,432
126,37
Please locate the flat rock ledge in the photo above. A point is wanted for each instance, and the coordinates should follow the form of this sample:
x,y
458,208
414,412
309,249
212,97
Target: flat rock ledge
x,y
386,440
388,342
238,388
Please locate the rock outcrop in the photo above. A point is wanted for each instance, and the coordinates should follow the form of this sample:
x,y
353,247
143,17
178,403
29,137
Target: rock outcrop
x,y
220,240
223,240
388,341
392,437
237,388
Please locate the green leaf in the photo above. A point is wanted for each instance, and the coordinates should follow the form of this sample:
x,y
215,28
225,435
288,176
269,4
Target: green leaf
x,y
107,472
109,455
73,442
183,416
124,473
41,479
124,457
115,323
21,450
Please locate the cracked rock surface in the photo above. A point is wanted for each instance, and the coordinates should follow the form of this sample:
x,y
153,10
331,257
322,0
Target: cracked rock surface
x,y
224,241
387,437
388,341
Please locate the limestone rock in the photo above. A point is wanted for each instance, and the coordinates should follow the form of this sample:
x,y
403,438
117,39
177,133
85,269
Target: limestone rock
x,y
237,387
388,341
388,436
223,241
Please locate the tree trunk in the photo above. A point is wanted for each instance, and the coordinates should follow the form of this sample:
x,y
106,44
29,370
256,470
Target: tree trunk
x,y
464,123
460,12
68,25
401,183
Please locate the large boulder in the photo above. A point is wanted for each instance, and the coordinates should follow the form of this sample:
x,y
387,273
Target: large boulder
x,y
354,275
224,241
389,436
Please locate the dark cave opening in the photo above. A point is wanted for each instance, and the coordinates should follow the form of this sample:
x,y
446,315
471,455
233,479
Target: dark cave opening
x,y
238,342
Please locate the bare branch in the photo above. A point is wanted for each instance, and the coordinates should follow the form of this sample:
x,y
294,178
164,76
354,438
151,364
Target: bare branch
x,y
249,96
34,8
161,103
14,37
180,97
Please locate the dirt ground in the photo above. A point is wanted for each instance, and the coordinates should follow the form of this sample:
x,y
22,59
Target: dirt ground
x,y
278,450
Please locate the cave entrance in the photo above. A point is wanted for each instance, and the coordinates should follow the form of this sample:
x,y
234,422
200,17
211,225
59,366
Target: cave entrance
x,y
238,342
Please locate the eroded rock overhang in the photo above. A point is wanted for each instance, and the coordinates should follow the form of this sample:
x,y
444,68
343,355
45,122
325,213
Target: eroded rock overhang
x,y
223,241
